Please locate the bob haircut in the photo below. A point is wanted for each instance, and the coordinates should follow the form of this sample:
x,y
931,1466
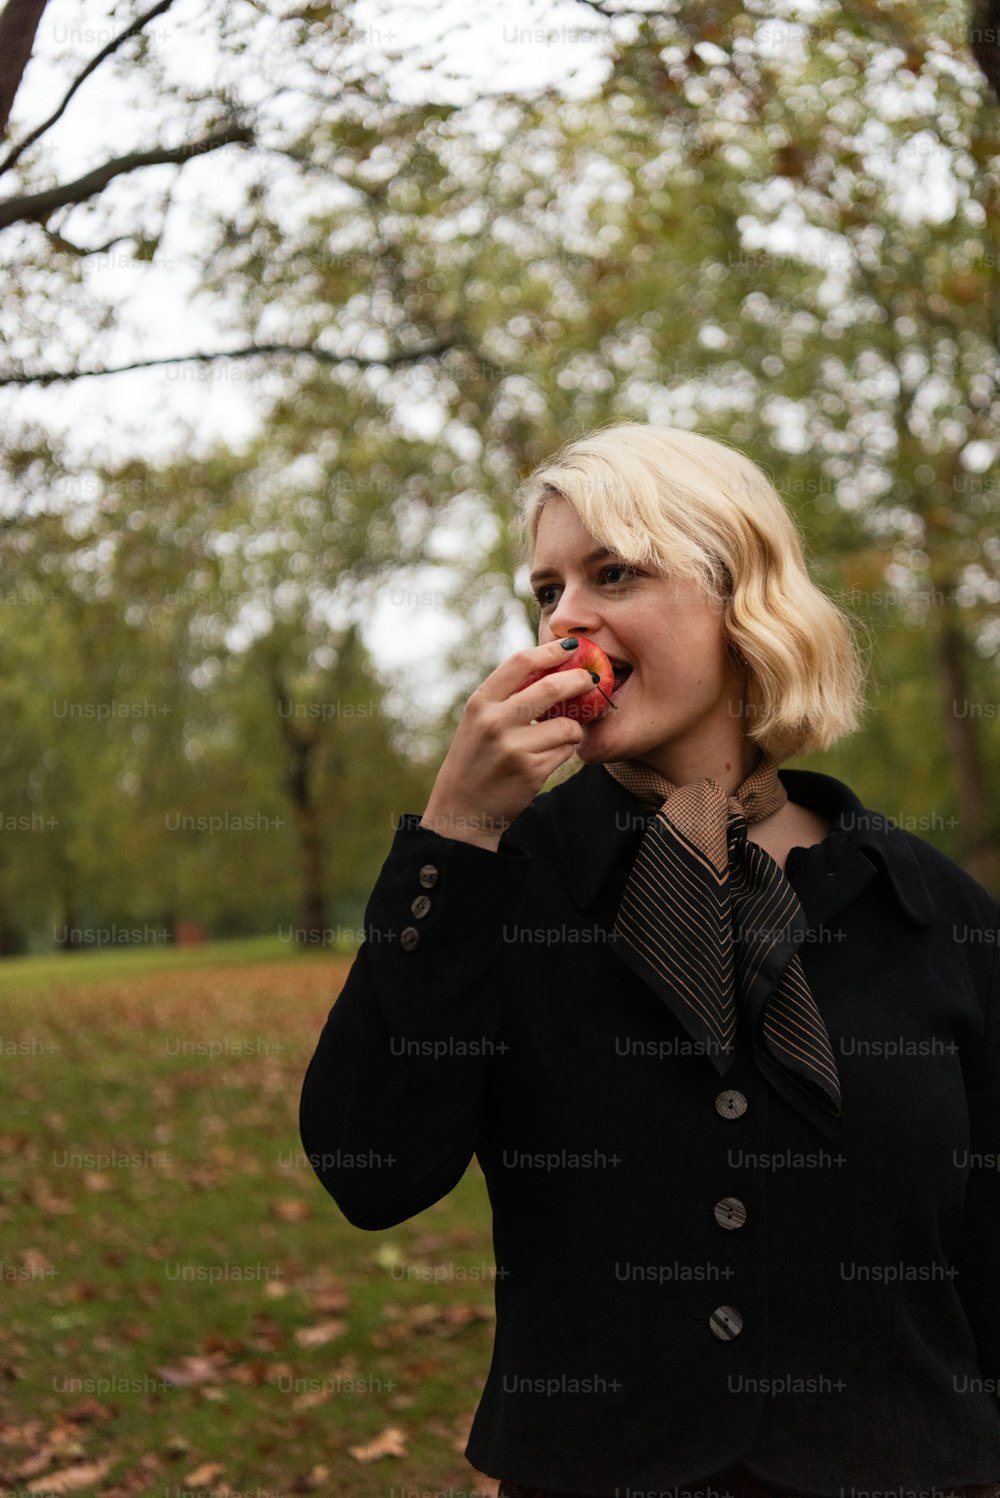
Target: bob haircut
x,y
693,508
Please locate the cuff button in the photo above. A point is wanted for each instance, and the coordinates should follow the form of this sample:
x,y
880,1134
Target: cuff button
x,y
725,1323
409,938
421,906
428,875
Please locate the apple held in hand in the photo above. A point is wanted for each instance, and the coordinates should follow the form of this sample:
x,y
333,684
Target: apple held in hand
x,y
589,706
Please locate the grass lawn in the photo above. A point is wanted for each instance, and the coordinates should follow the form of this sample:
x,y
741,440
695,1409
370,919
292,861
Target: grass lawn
x,y
186,1311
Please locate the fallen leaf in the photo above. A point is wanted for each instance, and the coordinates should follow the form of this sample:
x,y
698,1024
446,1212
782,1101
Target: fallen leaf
x,y
82,1291
311,1399
41,1197
256,1372
317,1336
202,1476
193,1369
63,1437
138,1479
84,1475
429,1243
314,1478
37,1263
215,1342
266,1333
20,1435
88,1409
330,1298
32,1465
391,1442
291,1209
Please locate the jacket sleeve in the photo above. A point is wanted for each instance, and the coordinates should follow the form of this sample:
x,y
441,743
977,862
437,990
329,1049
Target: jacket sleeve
x,y
390,1107
978,1255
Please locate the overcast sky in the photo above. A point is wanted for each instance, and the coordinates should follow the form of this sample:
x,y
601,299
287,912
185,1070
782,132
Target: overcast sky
x,y
444,51
438,49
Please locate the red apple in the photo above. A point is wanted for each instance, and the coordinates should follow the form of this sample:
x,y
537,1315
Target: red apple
x,y
592,704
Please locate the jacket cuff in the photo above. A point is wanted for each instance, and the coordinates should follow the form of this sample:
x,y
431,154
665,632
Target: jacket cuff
x,y
434,929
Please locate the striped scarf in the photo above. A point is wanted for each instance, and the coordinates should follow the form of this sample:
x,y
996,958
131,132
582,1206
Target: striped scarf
x,y
711,924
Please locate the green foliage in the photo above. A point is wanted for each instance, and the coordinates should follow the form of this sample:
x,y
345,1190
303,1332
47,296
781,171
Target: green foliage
x,y
781,232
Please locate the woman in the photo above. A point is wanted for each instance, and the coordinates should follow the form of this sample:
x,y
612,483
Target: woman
x,y
725,1043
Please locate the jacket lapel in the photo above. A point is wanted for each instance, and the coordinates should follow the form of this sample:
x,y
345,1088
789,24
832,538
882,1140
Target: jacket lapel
x,y
593,820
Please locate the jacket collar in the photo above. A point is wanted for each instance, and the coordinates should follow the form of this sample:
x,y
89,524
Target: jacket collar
x,y
594,819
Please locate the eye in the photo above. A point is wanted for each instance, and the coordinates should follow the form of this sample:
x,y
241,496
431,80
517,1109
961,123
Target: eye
x,y
545,601
541,595
619,567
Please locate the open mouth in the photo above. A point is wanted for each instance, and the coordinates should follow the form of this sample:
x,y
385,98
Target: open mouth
x,y
622,672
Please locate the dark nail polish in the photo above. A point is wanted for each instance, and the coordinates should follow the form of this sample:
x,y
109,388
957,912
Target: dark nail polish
x,y
569,644
595,678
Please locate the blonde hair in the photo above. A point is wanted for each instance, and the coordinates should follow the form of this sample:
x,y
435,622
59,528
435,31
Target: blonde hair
x,y
693,508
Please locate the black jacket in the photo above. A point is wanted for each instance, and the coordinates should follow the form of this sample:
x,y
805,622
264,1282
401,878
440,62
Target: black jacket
x,y
838,1327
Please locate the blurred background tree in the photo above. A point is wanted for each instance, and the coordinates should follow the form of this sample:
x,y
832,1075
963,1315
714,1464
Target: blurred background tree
x,y
777,230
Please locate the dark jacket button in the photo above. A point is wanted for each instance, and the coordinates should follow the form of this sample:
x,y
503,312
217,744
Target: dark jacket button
x,y
409,938
428,875
421,906
730,1212
731,1104
726,1322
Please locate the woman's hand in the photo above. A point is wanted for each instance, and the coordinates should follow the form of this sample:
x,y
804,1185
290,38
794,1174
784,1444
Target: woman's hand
x,y
499,759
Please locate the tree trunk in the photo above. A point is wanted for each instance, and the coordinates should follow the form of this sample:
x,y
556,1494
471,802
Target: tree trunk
x,y
978,839
301,747
313,895
18,24
67,940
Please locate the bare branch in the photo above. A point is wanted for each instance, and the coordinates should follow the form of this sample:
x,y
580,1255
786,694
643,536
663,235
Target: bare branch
x,y
605,10
36,207
93,64
322,356
60,242
18,24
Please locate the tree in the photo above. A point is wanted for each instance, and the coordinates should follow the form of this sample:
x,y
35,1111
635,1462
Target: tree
x,y
730,235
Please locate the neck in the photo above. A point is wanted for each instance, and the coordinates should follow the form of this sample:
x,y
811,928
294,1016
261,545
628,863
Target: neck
x,y
728,767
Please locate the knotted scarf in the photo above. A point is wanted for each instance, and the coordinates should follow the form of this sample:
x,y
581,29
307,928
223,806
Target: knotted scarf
x,y
709,921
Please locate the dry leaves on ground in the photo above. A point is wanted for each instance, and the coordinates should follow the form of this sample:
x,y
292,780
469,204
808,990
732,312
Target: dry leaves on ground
x,y
83,1475
390,1442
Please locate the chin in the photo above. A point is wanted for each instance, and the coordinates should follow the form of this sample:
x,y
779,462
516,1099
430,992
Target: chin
x,y
592,750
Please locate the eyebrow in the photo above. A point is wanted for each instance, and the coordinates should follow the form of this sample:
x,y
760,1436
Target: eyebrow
x,y
592,556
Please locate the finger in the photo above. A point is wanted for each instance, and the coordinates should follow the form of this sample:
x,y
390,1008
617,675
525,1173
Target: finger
x,y
543,694
515,670
551,734
548,764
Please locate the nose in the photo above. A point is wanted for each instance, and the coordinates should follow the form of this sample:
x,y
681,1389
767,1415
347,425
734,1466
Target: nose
x,y
572,615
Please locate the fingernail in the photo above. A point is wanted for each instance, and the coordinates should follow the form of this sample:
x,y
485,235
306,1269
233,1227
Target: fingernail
x,y
594,677
569,644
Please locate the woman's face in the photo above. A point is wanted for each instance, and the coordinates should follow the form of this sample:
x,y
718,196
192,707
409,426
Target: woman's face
x,y
680,711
